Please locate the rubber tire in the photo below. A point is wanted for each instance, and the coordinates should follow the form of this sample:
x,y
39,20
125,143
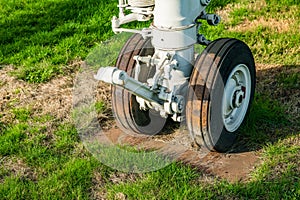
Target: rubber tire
x,y
125,107
204,104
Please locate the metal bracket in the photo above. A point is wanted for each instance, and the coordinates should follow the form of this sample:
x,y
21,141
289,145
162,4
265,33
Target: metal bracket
x,y
202,40
212,19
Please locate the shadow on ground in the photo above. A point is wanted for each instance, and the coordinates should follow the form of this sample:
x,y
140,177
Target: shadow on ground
x,y
274,116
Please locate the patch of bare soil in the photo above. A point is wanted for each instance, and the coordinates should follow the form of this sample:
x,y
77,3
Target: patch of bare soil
x,y
53,98
232,166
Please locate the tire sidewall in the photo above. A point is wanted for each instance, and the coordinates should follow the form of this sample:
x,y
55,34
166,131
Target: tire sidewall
x,y
238,53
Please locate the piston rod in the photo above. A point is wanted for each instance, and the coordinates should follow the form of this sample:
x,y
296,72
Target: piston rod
x,y
113,75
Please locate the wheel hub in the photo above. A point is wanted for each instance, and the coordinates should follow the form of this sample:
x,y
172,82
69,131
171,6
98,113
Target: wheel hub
x,y
236,97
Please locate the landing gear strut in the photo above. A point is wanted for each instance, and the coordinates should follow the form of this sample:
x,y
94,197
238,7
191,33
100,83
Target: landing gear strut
x,y
159,75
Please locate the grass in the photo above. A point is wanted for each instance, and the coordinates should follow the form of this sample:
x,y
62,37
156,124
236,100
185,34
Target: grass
x,y
41,37
178,182
266,123
42,157
37,164
268,44
289,81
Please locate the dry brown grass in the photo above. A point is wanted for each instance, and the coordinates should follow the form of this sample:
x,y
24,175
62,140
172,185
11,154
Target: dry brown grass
x,y
53,98
18,168
253,5
99,191
103,94
277,25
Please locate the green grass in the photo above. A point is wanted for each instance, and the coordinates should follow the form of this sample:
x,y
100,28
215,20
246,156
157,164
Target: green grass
x,y
179,182
291,81
268,46
55,164
43,158
266,123
283,3
41,37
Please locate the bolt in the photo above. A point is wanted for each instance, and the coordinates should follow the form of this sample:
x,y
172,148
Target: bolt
x,y
179,119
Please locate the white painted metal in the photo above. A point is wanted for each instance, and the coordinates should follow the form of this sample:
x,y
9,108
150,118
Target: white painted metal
x,y
141,3
141,10
174,39
176,14
236,97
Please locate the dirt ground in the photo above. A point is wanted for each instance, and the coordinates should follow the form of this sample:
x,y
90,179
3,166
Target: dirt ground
x,y
55,98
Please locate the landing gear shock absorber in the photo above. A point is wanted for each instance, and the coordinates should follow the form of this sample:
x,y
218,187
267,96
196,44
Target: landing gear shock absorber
x,y
157,76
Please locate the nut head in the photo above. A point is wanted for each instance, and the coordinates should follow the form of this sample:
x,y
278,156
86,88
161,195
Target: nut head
x,y
213,19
